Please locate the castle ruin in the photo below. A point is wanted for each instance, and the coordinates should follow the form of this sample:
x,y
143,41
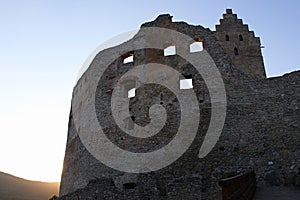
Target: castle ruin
x,y
261,129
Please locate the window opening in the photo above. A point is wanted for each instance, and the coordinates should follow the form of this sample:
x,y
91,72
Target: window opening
x,y
170,50
227,37
196,46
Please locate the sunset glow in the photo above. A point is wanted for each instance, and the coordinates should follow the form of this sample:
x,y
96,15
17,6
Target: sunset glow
x,y
44,44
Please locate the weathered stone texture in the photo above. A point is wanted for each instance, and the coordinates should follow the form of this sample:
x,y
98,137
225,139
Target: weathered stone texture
x,y
261,129
241,45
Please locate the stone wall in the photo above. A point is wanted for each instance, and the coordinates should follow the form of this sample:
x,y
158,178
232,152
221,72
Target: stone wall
x,y
241,45
261,130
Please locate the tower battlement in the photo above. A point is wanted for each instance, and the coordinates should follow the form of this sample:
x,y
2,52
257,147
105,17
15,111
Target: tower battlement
x,y
261,115
241,45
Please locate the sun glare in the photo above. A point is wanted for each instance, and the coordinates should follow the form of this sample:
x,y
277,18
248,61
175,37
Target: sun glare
x,y
33,146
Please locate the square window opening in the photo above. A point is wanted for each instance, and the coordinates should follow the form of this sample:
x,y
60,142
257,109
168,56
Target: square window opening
x,y
129,59
196,47
170,50
186,84
131,93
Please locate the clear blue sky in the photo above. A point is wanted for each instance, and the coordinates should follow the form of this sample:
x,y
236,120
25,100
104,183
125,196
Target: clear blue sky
x,y
44,43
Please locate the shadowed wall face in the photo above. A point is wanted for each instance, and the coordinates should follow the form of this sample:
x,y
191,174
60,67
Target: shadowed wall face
x,y
261,121
241,45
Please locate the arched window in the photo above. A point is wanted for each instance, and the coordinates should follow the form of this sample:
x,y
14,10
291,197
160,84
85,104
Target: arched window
x,y
129,87
227,37
236,51
241,38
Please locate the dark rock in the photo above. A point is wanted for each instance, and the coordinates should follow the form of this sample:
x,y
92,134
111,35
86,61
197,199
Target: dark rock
x,y
273,179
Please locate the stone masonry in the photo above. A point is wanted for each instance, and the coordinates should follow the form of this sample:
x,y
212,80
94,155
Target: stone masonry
x,y
261,130
241,45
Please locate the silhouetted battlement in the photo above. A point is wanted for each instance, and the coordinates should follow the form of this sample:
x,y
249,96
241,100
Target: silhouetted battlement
x,y
260,132
241,45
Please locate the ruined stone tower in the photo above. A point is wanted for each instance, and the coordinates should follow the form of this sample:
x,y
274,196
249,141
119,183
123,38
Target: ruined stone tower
x,y
241,45
261,125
